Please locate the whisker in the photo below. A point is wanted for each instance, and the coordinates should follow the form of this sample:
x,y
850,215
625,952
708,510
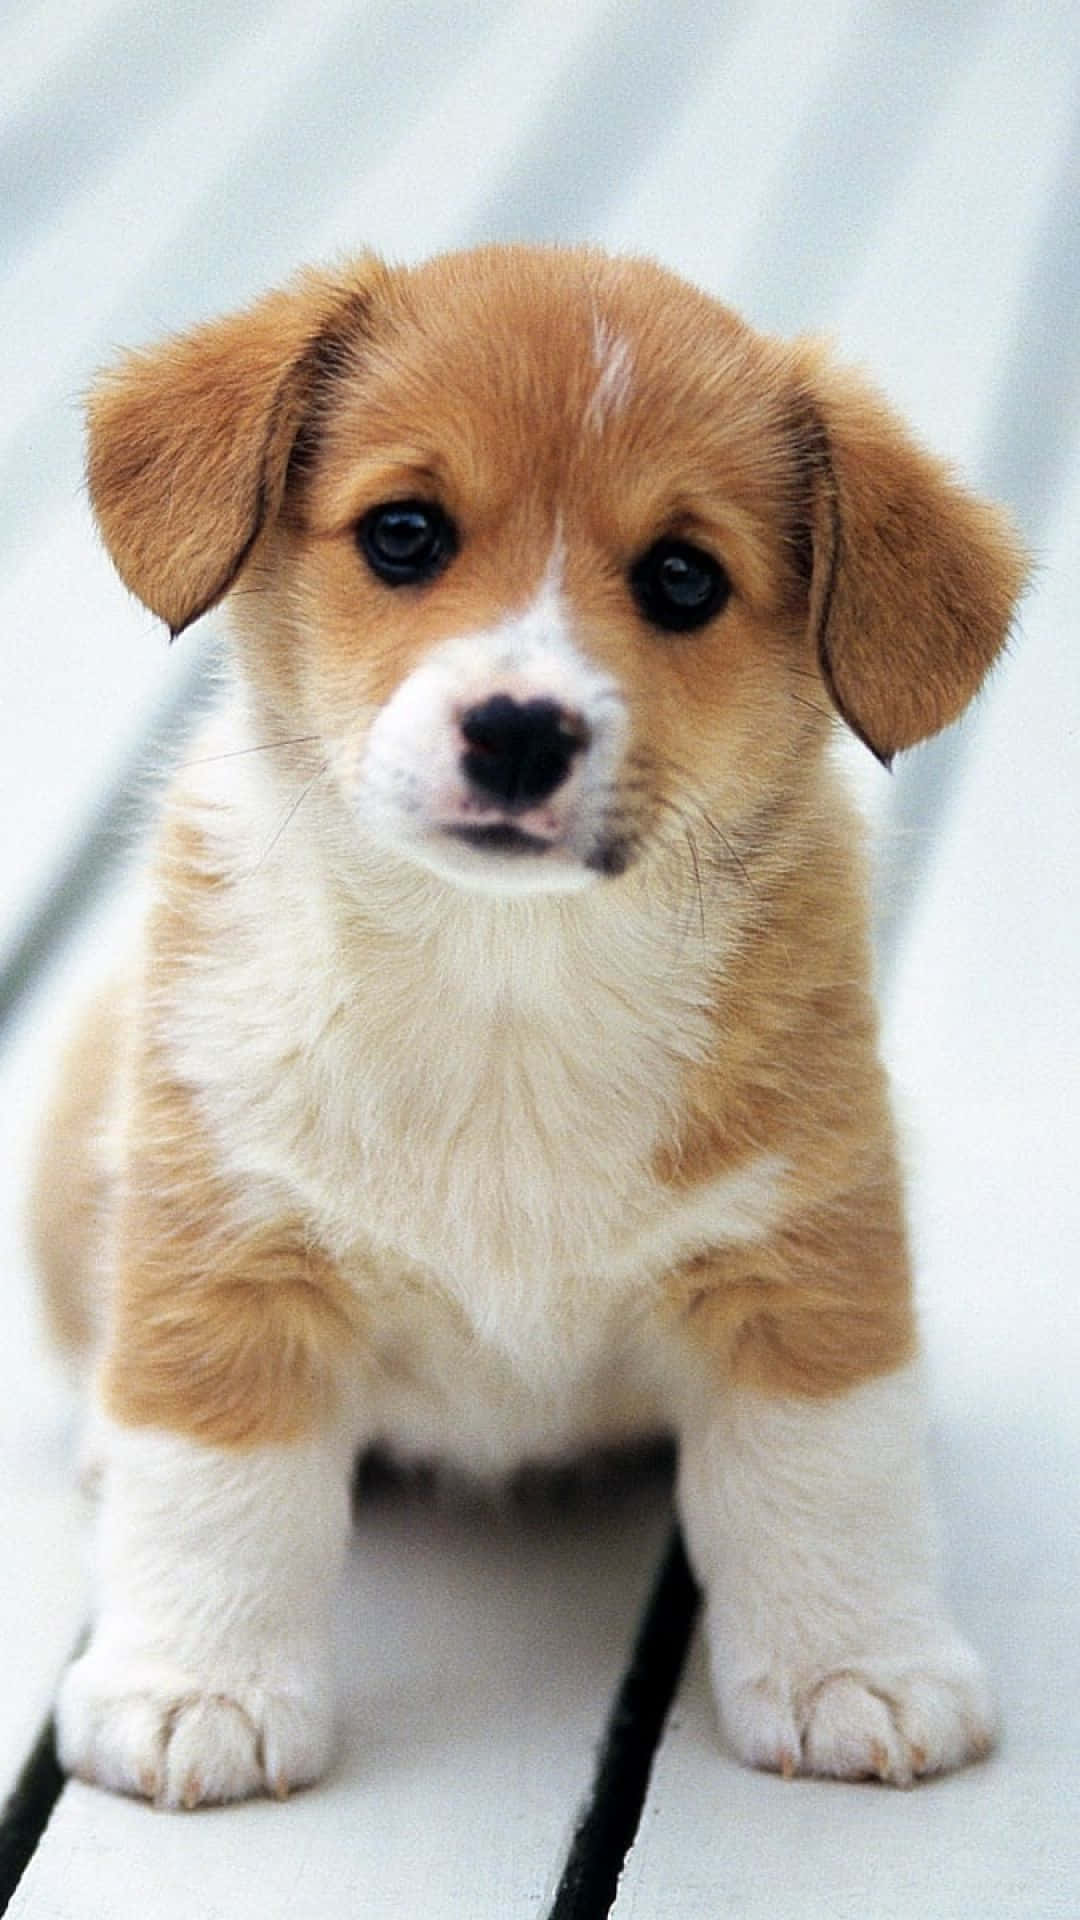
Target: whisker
x,y
290,815
728,848
681,815
697,879
266,746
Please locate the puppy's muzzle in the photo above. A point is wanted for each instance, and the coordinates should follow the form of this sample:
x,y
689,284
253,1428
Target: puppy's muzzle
x,y
498,746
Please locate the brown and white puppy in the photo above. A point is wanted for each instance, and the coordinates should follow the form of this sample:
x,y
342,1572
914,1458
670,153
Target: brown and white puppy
x,y
498,1075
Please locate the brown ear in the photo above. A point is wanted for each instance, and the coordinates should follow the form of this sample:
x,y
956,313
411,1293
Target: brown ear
x,y
189,442
913,582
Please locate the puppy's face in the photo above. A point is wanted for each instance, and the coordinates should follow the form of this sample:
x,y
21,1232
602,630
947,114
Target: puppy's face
x,y
560,563
538,584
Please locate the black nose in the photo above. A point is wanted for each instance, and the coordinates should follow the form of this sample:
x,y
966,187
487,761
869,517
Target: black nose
x,y
520,751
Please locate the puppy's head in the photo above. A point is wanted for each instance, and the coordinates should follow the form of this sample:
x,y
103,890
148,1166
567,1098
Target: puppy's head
x,y
555,557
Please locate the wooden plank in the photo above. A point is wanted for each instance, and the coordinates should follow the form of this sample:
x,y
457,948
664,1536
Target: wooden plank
x,y
477,1654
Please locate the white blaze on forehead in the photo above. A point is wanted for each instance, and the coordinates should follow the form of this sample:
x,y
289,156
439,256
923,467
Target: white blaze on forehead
x,y
614,362
539,629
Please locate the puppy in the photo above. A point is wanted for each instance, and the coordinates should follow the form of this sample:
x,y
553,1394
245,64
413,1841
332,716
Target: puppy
x,y
497,1073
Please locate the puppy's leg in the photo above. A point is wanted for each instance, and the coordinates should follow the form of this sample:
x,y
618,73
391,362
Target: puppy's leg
x,y
227,1445
804,1494
809,1524
207,1674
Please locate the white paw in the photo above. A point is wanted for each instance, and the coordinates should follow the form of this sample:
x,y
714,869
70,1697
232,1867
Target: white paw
x,y
877,1719
142,1727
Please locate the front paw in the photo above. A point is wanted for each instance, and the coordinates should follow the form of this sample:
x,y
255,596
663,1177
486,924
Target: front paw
x,y
143,1727
891,1719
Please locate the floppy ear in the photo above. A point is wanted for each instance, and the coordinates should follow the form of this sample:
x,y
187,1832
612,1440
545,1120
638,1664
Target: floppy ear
x,y
913,581
190,441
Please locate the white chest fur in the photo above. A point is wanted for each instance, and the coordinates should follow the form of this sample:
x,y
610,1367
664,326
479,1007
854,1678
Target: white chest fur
x,y
459,1092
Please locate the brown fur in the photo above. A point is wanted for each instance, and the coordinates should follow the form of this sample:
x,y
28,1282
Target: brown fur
x,y
827,1302
70,1192
225,1330
200,433
814,1309
914,581
863,575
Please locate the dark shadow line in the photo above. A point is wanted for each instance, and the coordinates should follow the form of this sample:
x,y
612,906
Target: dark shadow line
x,y
27,1811
608,1825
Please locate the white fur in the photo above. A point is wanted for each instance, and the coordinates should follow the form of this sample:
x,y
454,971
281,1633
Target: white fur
x,y
736,1209
809,1524
406,783
207,1674
613,357
499,1156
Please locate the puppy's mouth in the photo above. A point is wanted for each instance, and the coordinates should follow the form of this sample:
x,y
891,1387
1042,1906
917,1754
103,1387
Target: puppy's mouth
x,y
609,856
500,837
504,852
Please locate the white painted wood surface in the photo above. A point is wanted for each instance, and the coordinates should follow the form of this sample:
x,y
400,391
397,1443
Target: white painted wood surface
x,y
907,177
477,1657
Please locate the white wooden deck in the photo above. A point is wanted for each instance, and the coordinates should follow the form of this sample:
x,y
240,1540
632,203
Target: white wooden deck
x,y
907,177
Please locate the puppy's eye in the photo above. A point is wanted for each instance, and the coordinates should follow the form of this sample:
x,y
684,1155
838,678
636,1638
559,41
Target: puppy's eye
x,y
677,586
406,542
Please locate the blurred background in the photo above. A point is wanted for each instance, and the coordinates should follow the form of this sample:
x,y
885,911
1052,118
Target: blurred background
x,y
901,175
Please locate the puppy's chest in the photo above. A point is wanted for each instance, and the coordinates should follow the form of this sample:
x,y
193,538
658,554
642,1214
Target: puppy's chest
x,y
493,1125
498,1144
